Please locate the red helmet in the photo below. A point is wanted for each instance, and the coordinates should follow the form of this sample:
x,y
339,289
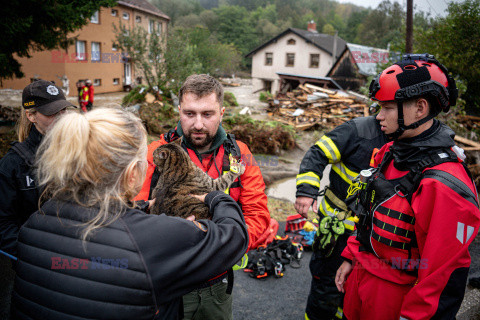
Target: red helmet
x,y
414,76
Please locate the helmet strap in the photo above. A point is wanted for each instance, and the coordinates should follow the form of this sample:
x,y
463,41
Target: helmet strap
x,y
401,122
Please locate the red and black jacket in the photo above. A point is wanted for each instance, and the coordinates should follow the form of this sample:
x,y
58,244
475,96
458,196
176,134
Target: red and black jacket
x,y
248,190
422,238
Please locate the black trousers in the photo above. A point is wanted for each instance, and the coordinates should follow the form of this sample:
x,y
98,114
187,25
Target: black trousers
x,y
324,298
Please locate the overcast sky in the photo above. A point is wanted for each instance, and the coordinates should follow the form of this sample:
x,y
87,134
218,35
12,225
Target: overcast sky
x,y
435,7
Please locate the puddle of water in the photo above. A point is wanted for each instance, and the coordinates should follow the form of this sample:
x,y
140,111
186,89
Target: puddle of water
x,y
286,188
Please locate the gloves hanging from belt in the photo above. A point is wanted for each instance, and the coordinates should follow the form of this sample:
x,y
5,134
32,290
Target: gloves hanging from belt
x,y
327,234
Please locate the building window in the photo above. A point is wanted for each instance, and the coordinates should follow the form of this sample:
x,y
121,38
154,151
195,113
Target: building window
x,y
268,58
159,28
97,82
80,47
138,19
94,18
151,26
96,54
290,60
114,12
116,81
126,16
314,60
291,41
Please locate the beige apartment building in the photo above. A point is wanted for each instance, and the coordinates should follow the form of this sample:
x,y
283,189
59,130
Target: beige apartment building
x,y
93,56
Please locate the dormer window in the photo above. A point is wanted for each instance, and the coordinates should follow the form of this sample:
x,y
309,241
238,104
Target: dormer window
x,y
291,41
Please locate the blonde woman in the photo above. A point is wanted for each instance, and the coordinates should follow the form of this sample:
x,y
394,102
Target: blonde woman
x,y
89,255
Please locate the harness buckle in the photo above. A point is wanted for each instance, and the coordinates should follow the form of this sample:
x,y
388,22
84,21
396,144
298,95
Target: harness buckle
x,y
397,191
278,270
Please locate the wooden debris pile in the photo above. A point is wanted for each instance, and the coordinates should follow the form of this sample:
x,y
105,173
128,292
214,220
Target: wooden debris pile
x,y
309,106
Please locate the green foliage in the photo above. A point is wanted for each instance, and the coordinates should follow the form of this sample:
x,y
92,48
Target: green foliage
x,y
235,27
178,8
134,96
265,95
161,65
328,29
229,99
455,41
36,25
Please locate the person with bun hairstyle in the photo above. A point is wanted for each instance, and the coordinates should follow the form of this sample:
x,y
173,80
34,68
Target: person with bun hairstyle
x,y
89,254
416,210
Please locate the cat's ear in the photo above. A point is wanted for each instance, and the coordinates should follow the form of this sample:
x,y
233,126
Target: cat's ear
x,y
178,141
162,154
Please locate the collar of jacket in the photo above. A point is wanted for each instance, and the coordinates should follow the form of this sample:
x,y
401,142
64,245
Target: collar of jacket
x,y
408,152
34,138
218,140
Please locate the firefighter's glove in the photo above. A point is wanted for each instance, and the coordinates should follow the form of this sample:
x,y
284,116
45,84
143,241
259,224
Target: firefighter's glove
x,y
327,234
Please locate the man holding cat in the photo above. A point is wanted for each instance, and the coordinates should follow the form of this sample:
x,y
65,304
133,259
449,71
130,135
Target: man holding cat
x,y
209,147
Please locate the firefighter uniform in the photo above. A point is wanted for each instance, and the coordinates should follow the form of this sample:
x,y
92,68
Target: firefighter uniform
x,y
411,257
348,148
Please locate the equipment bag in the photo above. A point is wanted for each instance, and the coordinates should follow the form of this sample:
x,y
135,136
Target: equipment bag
x,y
271,259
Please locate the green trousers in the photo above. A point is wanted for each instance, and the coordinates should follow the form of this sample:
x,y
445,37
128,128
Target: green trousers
x,y
208,303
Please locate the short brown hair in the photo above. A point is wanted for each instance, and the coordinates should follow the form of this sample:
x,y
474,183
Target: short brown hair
x,y
201,85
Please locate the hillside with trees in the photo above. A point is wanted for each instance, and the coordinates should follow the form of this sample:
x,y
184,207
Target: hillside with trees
x,y
242,25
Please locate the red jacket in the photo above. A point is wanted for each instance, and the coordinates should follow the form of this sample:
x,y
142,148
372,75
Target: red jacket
x,y
251,195
84,96
445,224
90,93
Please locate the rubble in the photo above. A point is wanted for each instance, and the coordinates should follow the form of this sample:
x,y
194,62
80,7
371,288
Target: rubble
x,y
309,106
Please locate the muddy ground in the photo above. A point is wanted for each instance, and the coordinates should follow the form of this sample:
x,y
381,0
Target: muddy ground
x,y
283,298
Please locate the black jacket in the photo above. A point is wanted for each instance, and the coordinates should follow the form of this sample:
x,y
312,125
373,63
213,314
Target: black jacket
x,y
138,267
348,148
18,192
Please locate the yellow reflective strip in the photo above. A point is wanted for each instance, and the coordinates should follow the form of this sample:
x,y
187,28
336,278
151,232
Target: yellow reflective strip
x,y
309,174
329,145
306,317
227,191
325,151
310,178
345,173
243,263
327,210
329,148
339,313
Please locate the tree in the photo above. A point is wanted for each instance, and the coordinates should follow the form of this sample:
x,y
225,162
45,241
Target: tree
x,y
37,25
161,65
455,40
235,27
328,29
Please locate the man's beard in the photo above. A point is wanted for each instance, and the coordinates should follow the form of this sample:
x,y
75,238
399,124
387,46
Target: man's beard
x,y
196,143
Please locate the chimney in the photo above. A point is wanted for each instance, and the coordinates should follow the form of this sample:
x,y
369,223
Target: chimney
x,y
312,26
334,51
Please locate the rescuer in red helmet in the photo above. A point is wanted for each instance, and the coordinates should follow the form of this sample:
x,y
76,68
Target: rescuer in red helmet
x,y
416,210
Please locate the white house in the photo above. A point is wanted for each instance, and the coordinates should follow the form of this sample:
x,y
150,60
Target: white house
x,y
294,53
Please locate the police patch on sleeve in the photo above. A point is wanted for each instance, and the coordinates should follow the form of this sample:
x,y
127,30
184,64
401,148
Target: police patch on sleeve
x,y
52,90
200,226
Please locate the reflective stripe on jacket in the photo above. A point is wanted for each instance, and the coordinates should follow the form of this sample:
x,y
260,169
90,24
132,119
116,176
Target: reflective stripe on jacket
x,y
348,148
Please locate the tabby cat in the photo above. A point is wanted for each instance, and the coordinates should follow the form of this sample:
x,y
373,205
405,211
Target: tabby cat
x,y
180,177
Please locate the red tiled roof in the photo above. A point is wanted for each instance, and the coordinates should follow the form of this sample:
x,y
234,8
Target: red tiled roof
x,y
144,5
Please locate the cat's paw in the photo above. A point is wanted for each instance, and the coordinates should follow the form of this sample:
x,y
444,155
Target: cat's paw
x,y
236,166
